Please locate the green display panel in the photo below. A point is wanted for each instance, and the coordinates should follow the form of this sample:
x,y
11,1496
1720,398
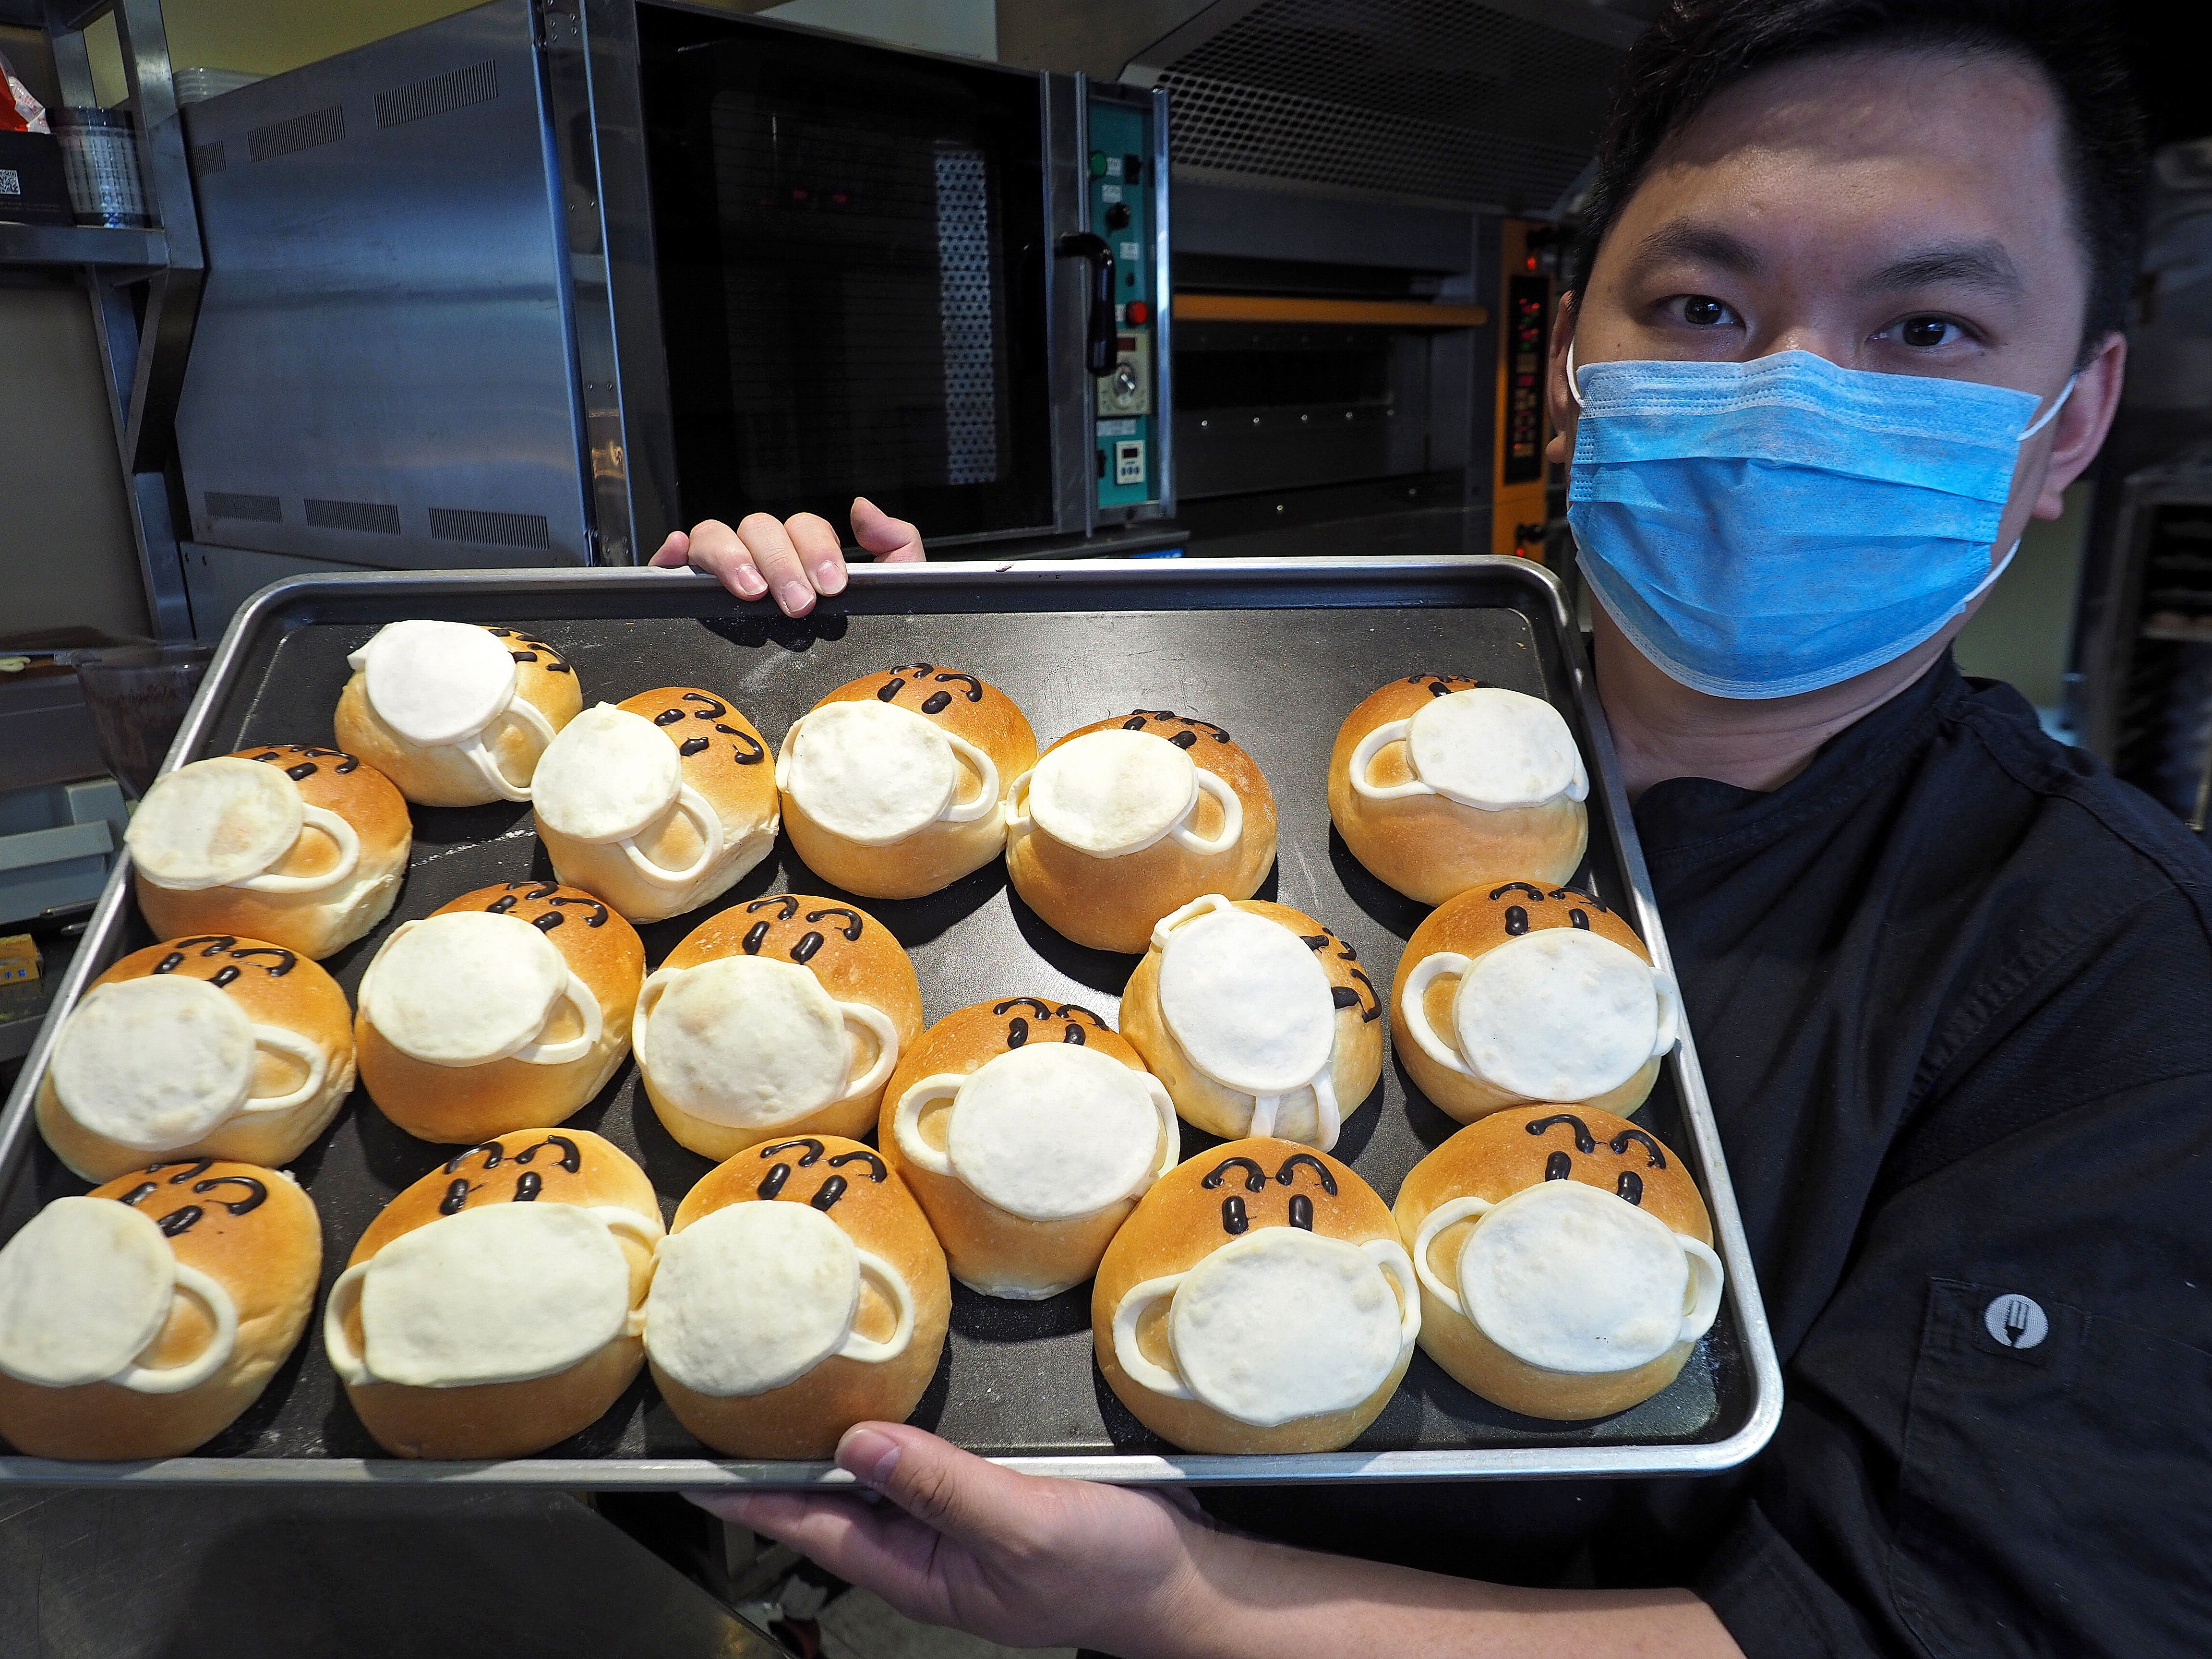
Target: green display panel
x,y
1126,462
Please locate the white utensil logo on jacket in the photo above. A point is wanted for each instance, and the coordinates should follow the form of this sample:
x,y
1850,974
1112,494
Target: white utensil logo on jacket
x,y
1114,793
500,1293
1278,1324
85,1289
1048,1132
229,822
473,986
1484,747
1251,1008
875,772
161,1062
756,1295
1569,1277
609,776
442,684
1557,1014
752,1043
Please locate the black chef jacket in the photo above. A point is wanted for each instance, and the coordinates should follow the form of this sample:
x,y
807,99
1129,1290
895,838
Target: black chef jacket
x,y
1952,991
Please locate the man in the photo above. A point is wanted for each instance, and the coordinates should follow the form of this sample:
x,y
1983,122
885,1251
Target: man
x,y
1846,318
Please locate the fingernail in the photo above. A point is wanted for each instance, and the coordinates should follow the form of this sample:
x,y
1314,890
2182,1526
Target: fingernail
x,y
795,597
829,576
867,1455
750,583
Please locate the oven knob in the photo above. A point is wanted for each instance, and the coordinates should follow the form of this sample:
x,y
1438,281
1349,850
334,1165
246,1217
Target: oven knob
x,y
1118,216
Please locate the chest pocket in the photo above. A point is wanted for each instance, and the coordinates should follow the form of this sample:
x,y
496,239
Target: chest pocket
x,y
2056,1494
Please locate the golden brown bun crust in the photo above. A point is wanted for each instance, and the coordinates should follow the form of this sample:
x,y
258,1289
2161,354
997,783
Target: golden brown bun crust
x,y
734,771
854,957
272,985
1110,904
990,1250
441,776
939,854
460,1104
314,924
1178,1225
804,1418
268,1258
510,1419
1496,1158
1428,848
1468,926
1355,1065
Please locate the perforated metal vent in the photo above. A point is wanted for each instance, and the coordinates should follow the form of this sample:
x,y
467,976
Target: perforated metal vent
x,y
527,530
287,137
208,159
353,515
256,509
455,89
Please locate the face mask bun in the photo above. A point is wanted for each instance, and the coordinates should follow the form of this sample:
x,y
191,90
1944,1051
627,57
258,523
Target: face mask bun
x,y
431,706
1559,1304
1128,818
497,1027
868,1292
204,1046
892,783
1468,785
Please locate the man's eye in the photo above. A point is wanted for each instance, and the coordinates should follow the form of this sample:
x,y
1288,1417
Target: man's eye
x,y
1703,310
1924,332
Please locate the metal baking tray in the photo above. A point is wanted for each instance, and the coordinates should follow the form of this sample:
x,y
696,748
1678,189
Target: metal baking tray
x,y
1276,652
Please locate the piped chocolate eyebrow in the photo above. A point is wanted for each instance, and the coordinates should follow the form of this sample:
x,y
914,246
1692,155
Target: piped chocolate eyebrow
x,y
1584,1142
1288,1173
1619,1144
1255,1178
814,1151
877,1172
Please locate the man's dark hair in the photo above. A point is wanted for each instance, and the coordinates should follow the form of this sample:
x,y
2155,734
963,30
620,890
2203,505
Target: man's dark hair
x,y
1697,49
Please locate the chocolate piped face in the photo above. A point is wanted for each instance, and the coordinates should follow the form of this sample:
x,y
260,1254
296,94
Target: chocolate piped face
x,y
787,928
926,688
829,1186
1181,730
301,760
1240,1208
545,905
1032,1019
737,745
222,959
523,648
152,1194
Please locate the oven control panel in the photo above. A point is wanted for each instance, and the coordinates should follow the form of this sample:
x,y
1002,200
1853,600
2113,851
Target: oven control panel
x,y
1120,187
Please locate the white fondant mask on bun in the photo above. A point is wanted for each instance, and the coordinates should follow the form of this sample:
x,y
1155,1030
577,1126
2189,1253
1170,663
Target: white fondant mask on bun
x,y
158,1063
442,684
875,773
755,1296
472,987
1484,747
1048,1132
1114,792
608,777
228,822
751,1042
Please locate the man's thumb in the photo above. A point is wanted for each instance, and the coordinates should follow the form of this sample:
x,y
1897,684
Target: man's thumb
x,y
970,1500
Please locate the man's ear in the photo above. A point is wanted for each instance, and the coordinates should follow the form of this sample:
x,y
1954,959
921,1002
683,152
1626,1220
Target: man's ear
x,y
1557,396
2077,432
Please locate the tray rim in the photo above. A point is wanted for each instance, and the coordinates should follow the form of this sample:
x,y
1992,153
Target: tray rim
x,y
1621,1462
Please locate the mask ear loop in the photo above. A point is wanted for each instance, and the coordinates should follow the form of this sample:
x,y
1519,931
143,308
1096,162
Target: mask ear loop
x,y
1574,389
2041,421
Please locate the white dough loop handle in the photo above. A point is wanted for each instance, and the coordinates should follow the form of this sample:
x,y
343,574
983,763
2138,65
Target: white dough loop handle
x,y
175,1379
1412,1006
1706,1273
868,1018
349,845
1387,1254
906,1125
955,810
1203,783
345,1295
309,1055
866,1349
693,805
475,749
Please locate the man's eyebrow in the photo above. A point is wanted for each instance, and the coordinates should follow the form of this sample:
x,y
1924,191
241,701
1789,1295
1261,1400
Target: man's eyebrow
x,y
1967,265
1686,239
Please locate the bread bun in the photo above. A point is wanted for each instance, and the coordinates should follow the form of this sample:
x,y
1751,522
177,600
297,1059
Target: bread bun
x,y
1556,1278
1251,1002
469,1003
1055,1147
210,1245
455,729
323,872
804,1008
1300,1329
655,835
1506,799
540,1284
897,808
1556,1016
1186,808
206,1047
771,1334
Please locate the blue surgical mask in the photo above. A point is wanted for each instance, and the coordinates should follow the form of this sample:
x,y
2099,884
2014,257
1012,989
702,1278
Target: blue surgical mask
x,y
1763,528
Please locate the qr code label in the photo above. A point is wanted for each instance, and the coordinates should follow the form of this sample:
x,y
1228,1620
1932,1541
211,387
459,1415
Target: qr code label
x,y
11,182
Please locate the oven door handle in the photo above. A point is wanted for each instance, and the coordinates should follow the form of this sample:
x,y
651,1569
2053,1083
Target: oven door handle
x,y
1099,355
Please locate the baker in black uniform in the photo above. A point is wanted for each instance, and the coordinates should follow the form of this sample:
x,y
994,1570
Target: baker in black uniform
x,y
1846,317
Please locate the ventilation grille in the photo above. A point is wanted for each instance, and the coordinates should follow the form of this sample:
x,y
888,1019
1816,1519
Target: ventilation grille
x,y
320,126
455,89
353,515
524,530
257,509
208,159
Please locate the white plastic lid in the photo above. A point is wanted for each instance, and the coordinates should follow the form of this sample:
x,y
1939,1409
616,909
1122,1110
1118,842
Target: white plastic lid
x,y
436,682
751,1296
496,1293
1557,1014
214,821
871,772
1248,1001
1112,791
155,1063
1053,1130
84,1287
1570,1277
1496,749
1283,1323
464,988
606,774
747,1041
